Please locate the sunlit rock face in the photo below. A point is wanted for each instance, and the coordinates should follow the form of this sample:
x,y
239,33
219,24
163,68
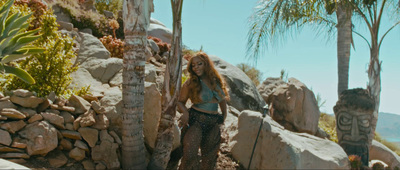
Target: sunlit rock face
x,y
354,114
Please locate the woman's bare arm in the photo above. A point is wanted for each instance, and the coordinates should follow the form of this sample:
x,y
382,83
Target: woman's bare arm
x,y
223,107
183,97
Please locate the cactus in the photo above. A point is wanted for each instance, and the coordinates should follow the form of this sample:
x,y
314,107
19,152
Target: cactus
x,y
14,41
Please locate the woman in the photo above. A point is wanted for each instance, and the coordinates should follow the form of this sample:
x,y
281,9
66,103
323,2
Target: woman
x,y
206,89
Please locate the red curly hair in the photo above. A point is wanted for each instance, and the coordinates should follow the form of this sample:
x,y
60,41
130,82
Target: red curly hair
x,y
211,72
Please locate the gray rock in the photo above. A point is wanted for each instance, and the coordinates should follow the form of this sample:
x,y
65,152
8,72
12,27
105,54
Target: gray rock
x,y
65,25
77,154
22,93
61,15
243,92
105,136
268,86
378,151
116,80
65,144
80,104
97,107
108,14
41,137
30,102
34,118
13,126
83,78
161,32
54,119
15,155
103,69
12,113
107,153
68,117
91,48
294,106
81,145
90,135
7,104
278,148
88,164
86,31
5,138
102,122
57,159
116,137
112,103
71,134
154,47
157,22
27,112
87,119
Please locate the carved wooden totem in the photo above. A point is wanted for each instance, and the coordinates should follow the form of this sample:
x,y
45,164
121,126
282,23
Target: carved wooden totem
x,y
353,114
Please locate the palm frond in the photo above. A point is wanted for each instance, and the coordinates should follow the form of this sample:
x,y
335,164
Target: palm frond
x,y
273,20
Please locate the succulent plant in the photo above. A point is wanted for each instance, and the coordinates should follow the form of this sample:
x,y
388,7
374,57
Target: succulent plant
x,y
15,40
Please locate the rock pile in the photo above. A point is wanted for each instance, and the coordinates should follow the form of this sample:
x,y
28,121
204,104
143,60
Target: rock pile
x,y
63,130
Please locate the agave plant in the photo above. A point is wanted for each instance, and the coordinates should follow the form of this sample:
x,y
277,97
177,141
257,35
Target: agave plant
x,y
15,40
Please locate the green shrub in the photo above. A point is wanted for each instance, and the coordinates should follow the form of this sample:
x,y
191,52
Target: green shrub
x,y
85,19
110,5
254,74
52,68
328,124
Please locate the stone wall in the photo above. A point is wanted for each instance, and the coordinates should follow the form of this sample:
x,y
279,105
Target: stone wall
x,y
63,131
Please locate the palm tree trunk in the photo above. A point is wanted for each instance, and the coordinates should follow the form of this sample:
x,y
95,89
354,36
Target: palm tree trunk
x,y
344,39
136,16
170,92
374,81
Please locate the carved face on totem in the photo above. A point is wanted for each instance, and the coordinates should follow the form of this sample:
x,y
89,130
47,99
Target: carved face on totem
x,y
353,113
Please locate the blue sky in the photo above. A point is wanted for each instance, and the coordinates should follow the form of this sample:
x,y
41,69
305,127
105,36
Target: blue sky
x,y
221,26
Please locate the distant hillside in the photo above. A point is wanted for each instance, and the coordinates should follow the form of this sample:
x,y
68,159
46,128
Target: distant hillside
x,y
388,127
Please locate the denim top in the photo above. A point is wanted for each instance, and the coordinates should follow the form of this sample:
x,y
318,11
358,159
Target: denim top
x,y
207,95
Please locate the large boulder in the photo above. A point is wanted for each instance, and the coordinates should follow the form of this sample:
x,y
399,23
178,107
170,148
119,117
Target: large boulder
x,y
243,92
378,151
4,164
278,148
91,48
112,103
103,69
268,86
83,78
151,116
294,106
160,31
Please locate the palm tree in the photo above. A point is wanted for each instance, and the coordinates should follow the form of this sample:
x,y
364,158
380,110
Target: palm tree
x,y
274,18
170,93
344,39
371,13
136,16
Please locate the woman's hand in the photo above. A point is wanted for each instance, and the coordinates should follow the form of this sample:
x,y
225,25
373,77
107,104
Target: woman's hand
x,y
183,120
